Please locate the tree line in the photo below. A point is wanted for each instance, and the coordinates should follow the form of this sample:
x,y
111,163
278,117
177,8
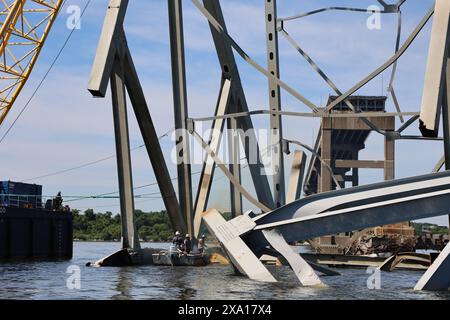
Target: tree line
x,y
152,226
91,226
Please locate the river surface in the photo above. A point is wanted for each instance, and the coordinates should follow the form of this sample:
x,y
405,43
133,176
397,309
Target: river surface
x,y
49,280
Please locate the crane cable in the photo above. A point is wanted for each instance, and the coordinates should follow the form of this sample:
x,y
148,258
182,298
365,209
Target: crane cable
x,y
87,164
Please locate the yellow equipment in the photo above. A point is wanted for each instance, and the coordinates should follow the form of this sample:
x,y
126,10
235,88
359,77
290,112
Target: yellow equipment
x,y
24,26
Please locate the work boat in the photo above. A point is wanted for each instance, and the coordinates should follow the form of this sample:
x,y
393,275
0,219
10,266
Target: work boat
x,y
175,257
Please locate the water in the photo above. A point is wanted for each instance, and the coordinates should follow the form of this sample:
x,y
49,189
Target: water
x,y
47,280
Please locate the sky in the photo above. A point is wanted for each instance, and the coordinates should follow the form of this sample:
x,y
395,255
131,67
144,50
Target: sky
x,y
64,126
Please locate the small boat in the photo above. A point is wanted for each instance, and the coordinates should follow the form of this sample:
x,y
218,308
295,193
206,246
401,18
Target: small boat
x,y
174,257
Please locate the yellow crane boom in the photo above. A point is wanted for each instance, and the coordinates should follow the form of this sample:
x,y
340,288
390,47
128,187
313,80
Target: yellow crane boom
x,y
24,26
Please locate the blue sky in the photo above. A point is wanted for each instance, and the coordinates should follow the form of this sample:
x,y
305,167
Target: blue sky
x,y
64,126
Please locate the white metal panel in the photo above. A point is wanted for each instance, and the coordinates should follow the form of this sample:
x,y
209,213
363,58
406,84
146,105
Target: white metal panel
x,y
436,65
239,253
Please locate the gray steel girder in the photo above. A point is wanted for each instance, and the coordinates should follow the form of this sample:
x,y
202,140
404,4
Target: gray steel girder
x,y
356,209
239,103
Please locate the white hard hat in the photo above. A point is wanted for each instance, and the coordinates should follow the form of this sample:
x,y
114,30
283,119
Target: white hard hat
x,y
187,235
177,233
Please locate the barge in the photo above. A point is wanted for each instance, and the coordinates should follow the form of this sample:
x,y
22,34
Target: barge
x,y
30,231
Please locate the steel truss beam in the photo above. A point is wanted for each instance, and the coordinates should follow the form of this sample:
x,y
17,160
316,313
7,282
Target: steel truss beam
x,y
297,174
207,174
113,60
181,112
229,42
235,166
435,100
387,64
434,85
238,102
276,127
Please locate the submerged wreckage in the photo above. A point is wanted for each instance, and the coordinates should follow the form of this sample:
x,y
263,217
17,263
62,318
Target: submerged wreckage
x,y
246,238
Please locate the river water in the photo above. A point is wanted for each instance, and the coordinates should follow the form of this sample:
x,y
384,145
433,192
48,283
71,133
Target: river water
x,y
49,280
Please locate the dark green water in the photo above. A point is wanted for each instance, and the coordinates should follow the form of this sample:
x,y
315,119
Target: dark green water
x,y
48,280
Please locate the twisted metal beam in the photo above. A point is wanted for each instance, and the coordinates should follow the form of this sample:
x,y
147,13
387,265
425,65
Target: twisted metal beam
x,y
388,63
310,149
220,29
227,173
310,13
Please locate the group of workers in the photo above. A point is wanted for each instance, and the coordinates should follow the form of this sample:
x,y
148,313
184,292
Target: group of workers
x,y
185,245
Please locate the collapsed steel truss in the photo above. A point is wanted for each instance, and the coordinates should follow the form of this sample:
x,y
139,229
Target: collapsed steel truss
x,y
246,237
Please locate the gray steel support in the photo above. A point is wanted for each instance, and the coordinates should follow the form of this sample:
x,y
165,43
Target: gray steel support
x,y
235,166
181,111
387,64
228,235
435,71
446,119
230,71
325,183
297,174
228,174
207,174
113,60
152,144
342,211
304,272
355,171
107,48
276,127
356,208
108,65
130,237
437,276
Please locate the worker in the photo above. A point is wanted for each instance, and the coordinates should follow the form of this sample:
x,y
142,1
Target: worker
x,y
201,244
187,244
178,240
58,202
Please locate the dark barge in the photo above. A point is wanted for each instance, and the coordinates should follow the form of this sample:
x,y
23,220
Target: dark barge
x,y
29,231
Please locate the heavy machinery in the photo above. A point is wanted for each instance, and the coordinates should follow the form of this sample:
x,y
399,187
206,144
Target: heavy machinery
x,y
24,27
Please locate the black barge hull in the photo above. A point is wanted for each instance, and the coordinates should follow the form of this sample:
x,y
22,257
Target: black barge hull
x,y
35,234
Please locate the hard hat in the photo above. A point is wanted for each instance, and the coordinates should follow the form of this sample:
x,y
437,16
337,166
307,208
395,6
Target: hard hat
x,y
203,236
177,233
187,235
